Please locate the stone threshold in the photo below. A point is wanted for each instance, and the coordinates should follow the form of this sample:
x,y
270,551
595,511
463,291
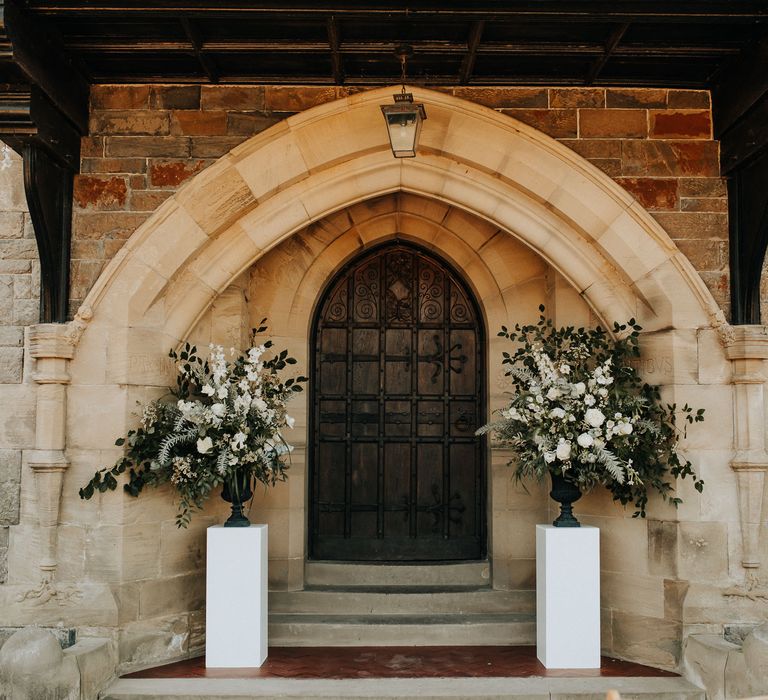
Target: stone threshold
x,y
669,688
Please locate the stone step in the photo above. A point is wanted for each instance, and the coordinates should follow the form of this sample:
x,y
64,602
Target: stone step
x,y
476,629
474,574
561,688
397,601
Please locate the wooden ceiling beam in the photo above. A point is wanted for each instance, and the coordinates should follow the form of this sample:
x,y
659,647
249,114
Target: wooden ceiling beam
x,y
206,63
661,11
332,27
473,43
616,35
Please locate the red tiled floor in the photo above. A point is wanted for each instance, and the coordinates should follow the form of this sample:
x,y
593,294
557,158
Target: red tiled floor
x,y
396,662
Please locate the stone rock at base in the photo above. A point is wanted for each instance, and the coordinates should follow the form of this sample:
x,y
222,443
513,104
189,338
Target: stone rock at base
x,y
755,650
32,665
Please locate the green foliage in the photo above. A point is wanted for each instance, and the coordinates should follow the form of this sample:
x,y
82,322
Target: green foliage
x,y
575,364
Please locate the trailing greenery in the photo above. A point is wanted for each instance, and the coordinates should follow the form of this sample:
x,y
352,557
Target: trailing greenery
x,y
580,409
223,420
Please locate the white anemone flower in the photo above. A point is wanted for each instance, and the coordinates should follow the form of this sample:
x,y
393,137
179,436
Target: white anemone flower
x,y
204,445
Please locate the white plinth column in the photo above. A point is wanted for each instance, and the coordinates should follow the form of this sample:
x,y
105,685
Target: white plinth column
x,y
568,596
236,597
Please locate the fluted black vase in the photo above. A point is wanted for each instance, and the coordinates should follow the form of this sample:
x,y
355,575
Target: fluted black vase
x,y
566,493
237,490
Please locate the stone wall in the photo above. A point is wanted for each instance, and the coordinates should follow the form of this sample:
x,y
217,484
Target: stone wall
x,y
147,141
19,301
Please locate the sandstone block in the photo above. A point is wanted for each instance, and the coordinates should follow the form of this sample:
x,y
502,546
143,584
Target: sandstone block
x,y
11,224
148,200
688,99
147,146
652,193
92,146
705,254
11,360
504,98
289,98
595,148
648,640
703,187
120,96
610,166
26,311
635,97
703,550
249,123
10,479
113,165
194,123
704,659
213,146
576,97
719,204
97,192
153,640
175,97
134,122
87,250
558,123
95,226
179,594
668,124
11,336
231,97
651,158
613,123
172,173
18,249
691,225
83,274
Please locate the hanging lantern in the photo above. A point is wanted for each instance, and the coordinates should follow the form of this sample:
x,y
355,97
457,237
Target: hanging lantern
x,y
404,118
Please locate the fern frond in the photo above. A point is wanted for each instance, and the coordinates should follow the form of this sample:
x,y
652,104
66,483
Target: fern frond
x,y
611,463
221,461
164,454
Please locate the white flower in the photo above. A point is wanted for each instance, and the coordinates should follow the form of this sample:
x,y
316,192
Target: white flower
x,y
625,428
557,413
564,369
238,441
585,440
204,445
290,421
594,417
563,451
549,457
579,388
208,390
222,392
553,393
603,392
589,400
218,410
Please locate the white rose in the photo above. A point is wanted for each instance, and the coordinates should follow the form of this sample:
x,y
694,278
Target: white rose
x,y
218,409
589,400
579,388
549,457
626,428
585,440
557,413
563,451
553,394
208,390
204,445
594,417
222,392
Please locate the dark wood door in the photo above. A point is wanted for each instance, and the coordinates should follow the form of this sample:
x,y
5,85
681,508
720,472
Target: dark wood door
x,y
396,471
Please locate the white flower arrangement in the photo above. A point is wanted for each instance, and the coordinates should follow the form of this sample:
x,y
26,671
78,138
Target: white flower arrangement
x,y
580,410
224,426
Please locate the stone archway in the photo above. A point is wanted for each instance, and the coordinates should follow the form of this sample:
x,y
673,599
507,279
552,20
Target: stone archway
x,y
525,189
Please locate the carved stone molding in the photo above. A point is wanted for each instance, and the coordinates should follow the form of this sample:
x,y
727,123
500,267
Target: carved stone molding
x,y
53,346
747,350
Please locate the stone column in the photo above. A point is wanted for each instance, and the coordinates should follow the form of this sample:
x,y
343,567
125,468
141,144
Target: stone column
x,y
52,345
747,349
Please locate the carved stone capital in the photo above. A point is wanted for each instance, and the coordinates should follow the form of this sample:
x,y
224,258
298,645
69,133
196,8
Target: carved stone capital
x,y
747,343
52,340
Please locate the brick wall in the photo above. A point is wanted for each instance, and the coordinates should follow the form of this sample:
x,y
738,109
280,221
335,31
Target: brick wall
x,y
146,141
19,302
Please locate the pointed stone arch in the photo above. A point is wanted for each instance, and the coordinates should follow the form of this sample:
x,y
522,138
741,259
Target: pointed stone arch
x,y
330,157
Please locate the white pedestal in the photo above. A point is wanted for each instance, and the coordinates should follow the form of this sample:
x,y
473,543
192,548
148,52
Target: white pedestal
x,y
568,596
236,597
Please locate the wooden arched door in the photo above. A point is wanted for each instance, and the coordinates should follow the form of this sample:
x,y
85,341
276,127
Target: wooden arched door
x,y
397,392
